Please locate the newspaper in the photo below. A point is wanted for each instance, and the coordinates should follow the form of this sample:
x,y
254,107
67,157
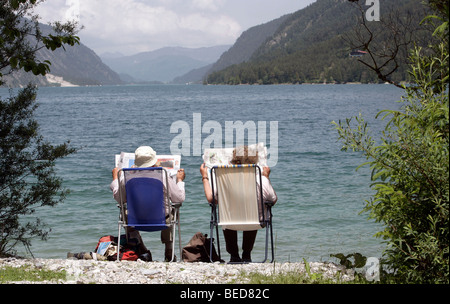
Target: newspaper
x,y
169,162
124,160
218,157
101,250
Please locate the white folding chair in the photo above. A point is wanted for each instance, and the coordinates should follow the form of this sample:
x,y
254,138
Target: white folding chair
x,y
238,202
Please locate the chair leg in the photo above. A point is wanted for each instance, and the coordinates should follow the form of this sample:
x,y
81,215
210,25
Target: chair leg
x,y
173,242
118,241
269,231
267,243
176,222
212,224
218,242
211,228
271,242
271,235
173,235
179,233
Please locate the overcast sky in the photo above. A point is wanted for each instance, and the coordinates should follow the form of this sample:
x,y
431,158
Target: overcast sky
x,y
133,26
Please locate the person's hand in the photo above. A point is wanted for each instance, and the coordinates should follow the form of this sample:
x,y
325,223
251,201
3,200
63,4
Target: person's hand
x,y
204,170
266,172
181,175
115,172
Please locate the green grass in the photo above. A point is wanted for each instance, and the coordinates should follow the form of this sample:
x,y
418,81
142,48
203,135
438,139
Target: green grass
x,y
295,278
26,273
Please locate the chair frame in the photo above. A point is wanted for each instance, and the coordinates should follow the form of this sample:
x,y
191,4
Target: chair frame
x,y
174,217
267,216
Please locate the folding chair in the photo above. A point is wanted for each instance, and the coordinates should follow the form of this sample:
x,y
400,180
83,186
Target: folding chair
x,y
240,202
145,205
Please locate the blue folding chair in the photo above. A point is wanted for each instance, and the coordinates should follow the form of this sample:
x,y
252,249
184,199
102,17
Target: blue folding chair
x,y
145,204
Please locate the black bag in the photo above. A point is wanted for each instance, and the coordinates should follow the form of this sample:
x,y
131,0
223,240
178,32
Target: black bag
x,y
198,248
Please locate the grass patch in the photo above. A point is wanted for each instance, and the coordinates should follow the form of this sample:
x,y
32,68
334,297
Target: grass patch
x,y
299,277
294,277
282,278
26,273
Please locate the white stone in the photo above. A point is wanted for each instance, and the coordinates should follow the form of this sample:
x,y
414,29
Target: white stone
x,y
139,272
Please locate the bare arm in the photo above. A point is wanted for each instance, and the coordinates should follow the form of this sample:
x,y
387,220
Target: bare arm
x,y
206,185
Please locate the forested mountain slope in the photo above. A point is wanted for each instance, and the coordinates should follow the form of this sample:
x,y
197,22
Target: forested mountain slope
x,y
309,47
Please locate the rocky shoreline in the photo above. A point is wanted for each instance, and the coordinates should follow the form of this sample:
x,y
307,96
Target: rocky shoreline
x,y
140,272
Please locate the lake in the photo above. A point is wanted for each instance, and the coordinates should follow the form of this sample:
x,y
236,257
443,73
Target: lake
x,y
320,195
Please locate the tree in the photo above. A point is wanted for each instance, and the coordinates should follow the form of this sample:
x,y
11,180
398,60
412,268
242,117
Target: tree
x,y
28,179
387,41
410,164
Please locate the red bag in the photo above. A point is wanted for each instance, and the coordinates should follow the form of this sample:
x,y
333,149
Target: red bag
x,y
127,253
106,238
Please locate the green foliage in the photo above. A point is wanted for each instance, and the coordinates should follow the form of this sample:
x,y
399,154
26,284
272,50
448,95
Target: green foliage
x,y
16,51
314,276
309,47
292,277
344,260
249,41
410,169
27,161
298,277
28,179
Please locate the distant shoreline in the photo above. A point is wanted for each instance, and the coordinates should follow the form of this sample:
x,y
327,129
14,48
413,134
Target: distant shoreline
x,y
65,84
54,80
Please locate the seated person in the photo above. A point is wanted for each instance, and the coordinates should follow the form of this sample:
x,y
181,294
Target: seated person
x,y
145,157
240,156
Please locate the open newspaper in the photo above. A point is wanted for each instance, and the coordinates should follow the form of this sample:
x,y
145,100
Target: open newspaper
x,y
218,157
223,157
169,162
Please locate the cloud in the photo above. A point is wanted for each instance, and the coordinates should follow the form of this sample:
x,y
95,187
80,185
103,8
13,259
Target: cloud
x,y
132,26
212,5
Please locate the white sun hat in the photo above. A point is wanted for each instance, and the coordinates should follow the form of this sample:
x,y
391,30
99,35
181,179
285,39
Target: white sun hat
x,y
145,157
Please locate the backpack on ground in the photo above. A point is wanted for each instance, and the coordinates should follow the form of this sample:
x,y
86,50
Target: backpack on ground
x,y
198,248
107,246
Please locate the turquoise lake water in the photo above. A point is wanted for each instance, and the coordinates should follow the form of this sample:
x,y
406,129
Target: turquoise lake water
x,y
320,195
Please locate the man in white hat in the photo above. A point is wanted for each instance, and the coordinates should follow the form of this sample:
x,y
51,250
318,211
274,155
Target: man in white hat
x,y
145,157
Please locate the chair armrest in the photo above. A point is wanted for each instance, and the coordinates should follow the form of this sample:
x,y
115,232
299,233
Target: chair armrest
x,y
213,203
269,203
177,205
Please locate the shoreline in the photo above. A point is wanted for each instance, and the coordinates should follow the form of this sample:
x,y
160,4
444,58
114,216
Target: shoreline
x,y
140,272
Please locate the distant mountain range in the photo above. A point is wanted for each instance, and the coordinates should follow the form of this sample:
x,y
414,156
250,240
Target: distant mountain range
x,y
305,46
77,65
163,65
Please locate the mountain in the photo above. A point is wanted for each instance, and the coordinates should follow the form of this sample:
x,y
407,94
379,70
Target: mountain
x,y
76,65
194,76
247,43
309,46
164,64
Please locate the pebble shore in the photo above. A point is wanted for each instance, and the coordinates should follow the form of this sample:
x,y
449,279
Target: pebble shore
x,y
140,272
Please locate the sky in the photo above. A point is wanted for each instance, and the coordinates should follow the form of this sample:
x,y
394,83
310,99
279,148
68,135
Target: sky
x,y
133,26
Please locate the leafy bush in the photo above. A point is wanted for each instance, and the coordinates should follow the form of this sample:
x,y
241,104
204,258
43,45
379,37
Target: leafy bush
x,y
410,167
